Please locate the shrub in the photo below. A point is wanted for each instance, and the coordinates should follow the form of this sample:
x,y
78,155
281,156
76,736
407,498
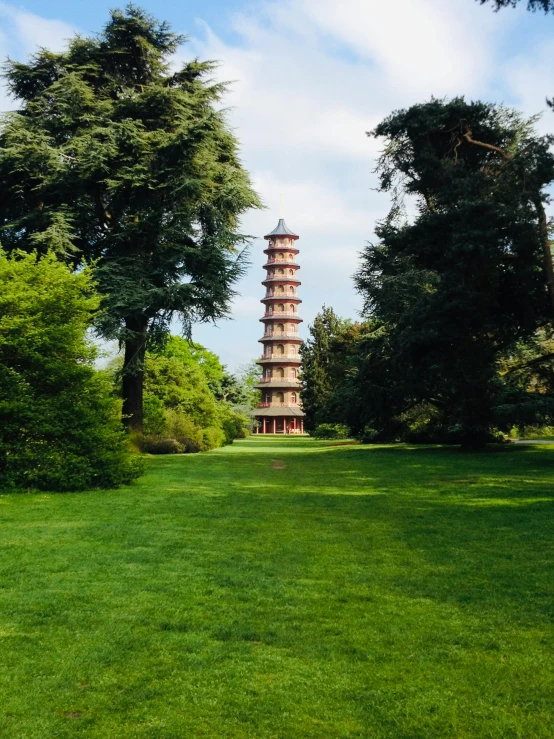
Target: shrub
x,y
157,445
60,427
369,436
212,437
330,431
235,425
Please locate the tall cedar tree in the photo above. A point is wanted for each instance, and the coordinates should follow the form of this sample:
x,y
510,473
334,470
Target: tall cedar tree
x,y
472,275
117,159
317,380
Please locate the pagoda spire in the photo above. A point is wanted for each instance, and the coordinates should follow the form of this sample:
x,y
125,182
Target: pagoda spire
x,y
280,410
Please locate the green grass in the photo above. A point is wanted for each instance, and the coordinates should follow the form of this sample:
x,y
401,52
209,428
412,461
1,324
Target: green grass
x,y
285,588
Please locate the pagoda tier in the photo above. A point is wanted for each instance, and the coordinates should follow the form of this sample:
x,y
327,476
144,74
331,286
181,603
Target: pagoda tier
x,y
280,410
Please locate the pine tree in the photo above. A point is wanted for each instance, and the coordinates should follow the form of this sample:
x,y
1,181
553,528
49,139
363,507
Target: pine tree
x,y
115,158
317,378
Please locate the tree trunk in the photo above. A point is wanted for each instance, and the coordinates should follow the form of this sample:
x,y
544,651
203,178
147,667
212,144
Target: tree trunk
x,y
546,250
133,372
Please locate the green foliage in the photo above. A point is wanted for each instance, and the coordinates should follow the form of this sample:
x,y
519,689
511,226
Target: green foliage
x,y
180,401
317,376
161,445
546,5
195,355
241,389
465,283
117,158
330,431
329,363
59,424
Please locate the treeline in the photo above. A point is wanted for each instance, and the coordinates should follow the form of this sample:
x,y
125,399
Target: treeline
x,y
456,342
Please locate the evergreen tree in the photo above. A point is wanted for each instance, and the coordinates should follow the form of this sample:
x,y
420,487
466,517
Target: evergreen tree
x,y
458,288
116,158
317,362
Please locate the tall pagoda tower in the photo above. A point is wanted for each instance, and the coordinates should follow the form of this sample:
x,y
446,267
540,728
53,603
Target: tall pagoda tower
x,y
280,411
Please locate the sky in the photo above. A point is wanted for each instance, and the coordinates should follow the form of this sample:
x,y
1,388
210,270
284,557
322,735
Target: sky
x,y
309,79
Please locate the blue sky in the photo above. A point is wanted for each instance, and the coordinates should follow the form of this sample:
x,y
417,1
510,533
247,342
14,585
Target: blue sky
x,y
310,77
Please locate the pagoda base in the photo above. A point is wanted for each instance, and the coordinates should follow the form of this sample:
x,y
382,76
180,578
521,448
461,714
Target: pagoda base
x,y
278,421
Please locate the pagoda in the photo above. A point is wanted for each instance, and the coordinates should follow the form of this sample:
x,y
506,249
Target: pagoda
x,y
280,411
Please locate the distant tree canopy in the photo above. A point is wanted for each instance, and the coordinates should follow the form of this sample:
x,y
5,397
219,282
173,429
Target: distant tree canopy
x,y
315,352
546,5
120,160
327,368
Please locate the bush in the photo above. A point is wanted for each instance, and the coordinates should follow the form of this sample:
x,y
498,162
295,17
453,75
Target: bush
x,y
212,438
157,445
330,431
60,427
369,436
235,425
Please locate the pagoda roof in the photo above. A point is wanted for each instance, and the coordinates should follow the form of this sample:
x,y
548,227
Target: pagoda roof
x,y
281,229
277,411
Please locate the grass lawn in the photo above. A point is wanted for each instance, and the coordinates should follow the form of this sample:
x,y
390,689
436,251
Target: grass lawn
x,y
285,588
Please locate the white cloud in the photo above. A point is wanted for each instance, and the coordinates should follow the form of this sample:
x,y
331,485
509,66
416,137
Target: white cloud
x,y
29,31
23,33
312,76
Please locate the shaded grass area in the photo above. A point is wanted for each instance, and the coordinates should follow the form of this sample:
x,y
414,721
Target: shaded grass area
x,y
286,588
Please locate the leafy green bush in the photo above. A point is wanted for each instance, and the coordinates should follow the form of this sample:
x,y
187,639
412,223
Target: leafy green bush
x,y
60,427
158,445
180,401
533,432
213,437
330,431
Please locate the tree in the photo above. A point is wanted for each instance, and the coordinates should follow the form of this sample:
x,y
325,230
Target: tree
x,y
59,424
240,388
456,289
192,354
181,401
317,379
115,158
546,5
